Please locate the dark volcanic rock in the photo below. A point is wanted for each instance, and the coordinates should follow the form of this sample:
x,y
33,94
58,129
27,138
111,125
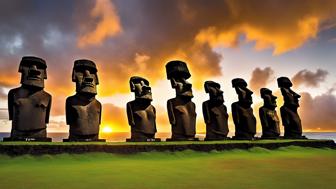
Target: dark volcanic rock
x,y
121,148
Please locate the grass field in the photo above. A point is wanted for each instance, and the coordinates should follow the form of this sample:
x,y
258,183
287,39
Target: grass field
x,y
159,143
291,167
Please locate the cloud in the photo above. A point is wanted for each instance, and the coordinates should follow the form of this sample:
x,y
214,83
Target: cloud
x,y
107,26
260,78
309,78
280,25
318,113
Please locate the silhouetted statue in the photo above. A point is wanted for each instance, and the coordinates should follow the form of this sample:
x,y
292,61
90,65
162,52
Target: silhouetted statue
x,y
242,113
83,111
268,115
29,105
215,113
181,110
289,115
140,113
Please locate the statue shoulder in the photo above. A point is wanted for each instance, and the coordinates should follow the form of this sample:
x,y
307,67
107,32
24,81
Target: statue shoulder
x,y
70,99
205,103
45,94
171,101
15,90
234,105
97,103
130,103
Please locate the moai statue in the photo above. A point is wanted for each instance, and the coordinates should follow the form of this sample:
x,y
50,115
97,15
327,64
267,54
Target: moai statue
x,y
268,115
83,110
289,115
140,113
29,105
242,113
181,110
215,113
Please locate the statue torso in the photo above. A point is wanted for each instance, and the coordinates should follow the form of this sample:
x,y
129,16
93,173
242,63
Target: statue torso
x,y
292,117
272,120
83,117
218,118
185,117
247,121
144,117
30,110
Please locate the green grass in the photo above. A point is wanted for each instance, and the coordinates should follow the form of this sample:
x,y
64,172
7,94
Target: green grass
x,y
285,168
158,143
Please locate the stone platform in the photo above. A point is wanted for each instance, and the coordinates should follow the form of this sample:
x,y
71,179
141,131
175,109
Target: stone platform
x,y
40,148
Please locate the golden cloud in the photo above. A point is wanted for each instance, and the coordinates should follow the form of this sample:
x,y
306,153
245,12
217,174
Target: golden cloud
x,y
108,24
281,41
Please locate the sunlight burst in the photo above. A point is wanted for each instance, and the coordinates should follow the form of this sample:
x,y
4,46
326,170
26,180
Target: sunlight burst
x,y
106,129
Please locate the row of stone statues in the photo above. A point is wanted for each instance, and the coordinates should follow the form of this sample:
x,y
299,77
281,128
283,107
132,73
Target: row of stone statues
x,y
29,107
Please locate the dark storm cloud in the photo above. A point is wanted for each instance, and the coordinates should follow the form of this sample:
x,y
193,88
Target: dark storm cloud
x,y
260,78
318,113
309,78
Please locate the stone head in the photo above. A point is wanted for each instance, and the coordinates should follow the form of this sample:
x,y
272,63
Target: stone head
x,y
290,97
284,82
215,93
178,73
33,71
84,73
244,94
140,87
269,98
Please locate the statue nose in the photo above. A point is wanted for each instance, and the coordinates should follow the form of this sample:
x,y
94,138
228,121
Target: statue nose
x,y
34,71
87,76
188,86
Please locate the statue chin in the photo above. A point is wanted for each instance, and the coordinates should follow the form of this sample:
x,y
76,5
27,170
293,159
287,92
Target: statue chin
x,y
218,99
187,94
34,83
147,97
88,90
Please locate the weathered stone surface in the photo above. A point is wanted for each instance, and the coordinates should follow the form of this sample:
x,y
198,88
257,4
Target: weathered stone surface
x,y
242,112
181,110
141,113
29,105
215,113
289,111
268,116
83,110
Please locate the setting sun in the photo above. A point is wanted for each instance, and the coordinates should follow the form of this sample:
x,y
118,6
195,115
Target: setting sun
x,y
106,129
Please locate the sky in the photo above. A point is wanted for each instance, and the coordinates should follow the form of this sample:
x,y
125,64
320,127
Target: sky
x,y
257,40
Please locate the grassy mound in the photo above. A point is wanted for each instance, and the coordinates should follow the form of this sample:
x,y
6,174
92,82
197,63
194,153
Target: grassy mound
x,y
290,167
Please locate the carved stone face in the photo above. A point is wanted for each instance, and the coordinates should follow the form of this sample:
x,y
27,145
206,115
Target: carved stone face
x,y
85,76
33,71
213,88
291,98
140,86
244,95
182,87
178,73
269,98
